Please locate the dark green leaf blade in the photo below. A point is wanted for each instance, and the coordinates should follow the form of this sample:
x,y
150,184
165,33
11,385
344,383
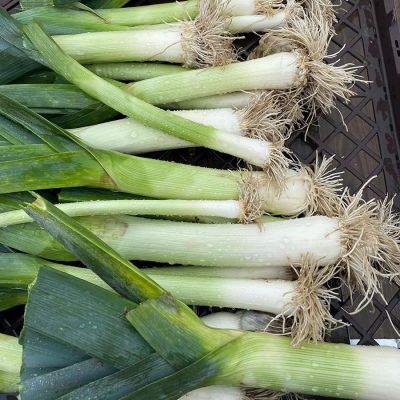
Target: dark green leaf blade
x,y
117,272
85,317
57,383
119,384
48,95
19,152
14,63
42,354
15,133
87,116
49,133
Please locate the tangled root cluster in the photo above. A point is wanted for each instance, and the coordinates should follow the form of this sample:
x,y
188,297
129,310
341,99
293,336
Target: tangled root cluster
x,y
318,83
370,234
205,40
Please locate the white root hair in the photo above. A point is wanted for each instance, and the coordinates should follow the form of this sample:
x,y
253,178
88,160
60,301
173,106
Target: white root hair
x,y
318,83
205,40
311,317
308,316
250,198
264,119
278,163
370,233
324,10
325,187
269,7
270,111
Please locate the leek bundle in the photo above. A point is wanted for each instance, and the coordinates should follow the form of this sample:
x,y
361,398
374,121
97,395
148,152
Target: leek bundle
x,y
258,152
201,356
66,164
359,234
292,59
296,64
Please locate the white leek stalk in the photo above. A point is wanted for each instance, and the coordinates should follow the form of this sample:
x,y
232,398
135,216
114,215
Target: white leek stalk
x,y
221,245
223,211
261,119
286,274
256,23
129,136
276,71
240,320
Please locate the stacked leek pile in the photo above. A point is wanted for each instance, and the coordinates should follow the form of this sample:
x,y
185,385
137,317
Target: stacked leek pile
x,y
85,88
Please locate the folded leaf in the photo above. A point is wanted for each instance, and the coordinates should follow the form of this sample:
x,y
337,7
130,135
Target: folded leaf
x,y
84,316
57,383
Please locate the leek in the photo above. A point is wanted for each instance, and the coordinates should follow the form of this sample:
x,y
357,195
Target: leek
x,y
198,43
230,209
375,378
258,152
198,353
276,244
271,19
129,136
11,350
